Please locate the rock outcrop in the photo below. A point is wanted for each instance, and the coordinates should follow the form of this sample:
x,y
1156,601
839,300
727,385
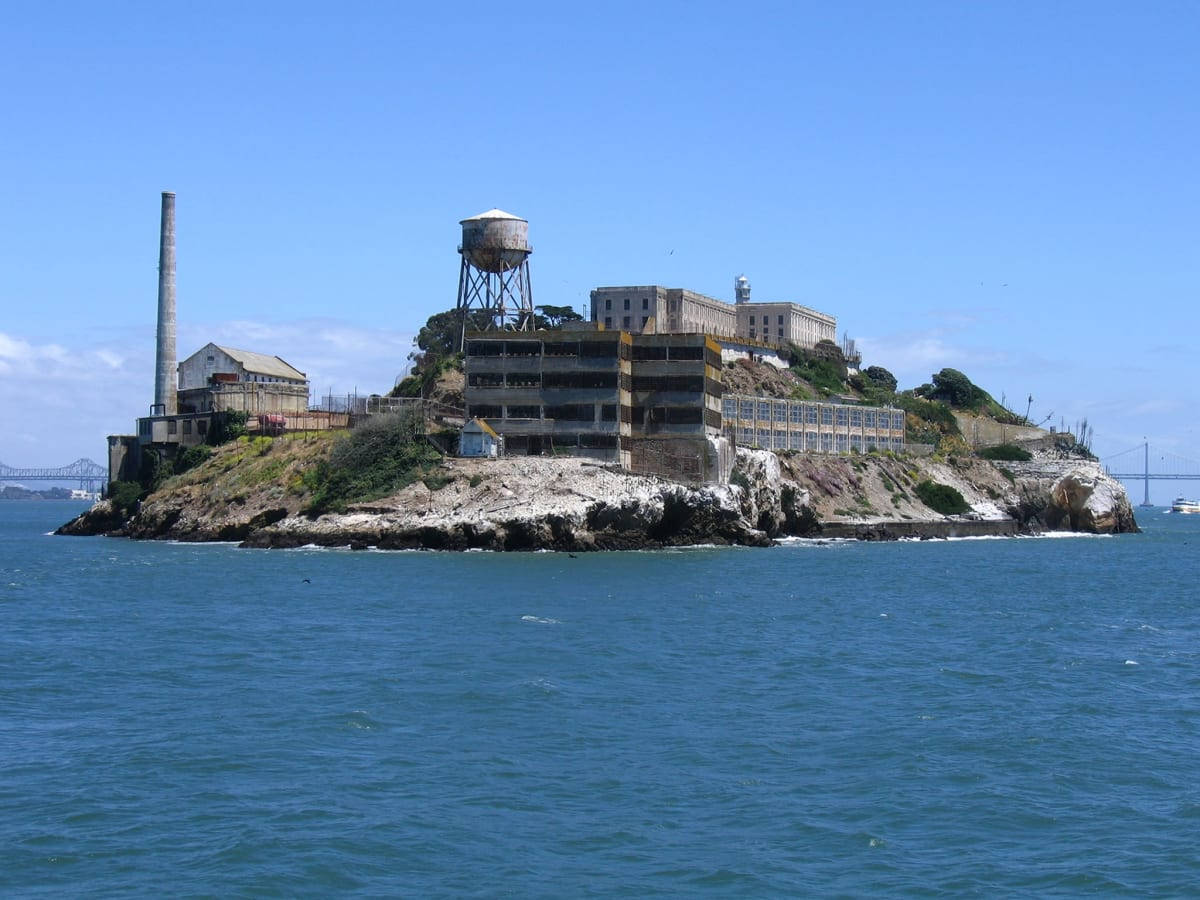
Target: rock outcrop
x,y
1070,495
520,503
529,503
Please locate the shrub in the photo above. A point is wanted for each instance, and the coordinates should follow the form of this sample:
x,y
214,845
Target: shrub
x,y
435,481
1005,452
191,457
227,426
124,495
941,498
153,471
382,455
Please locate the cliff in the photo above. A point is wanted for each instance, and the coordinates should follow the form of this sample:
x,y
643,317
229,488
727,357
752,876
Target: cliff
x,y
255,493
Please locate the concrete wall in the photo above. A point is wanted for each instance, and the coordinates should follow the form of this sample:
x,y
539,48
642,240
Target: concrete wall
x,y
246,396
981,432
124,457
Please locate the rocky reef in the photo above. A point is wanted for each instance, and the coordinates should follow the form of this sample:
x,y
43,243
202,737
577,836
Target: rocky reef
x,y
570,504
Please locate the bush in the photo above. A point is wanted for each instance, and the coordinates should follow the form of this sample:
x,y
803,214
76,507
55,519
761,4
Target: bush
x,y
382,455
941,498
191,457
125,495
153,471
1005,452
227,426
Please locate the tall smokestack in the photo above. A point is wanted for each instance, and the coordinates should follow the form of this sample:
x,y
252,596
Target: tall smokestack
x,y
165,381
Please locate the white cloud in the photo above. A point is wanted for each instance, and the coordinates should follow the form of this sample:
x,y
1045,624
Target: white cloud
x,y
58,399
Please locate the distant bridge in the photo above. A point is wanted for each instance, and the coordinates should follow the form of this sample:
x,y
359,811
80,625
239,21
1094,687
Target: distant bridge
x,y
90,475
1168,466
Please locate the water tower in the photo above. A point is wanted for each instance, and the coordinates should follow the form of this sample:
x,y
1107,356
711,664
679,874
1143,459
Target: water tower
x,y
494,276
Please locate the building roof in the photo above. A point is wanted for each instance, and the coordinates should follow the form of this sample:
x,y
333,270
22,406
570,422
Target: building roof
x,y
493,214
261,364
483,426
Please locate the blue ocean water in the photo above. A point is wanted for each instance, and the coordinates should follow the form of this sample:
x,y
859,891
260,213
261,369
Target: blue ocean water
x,y
1013,717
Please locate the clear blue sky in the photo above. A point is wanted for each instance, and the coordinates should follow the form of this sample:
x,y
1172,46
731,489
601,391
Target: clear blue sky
x,y
1006,188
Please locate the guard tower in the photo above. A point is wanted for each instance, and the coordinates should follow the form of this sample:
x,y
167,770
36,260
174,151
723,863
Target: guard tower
x,y
494,276
741,289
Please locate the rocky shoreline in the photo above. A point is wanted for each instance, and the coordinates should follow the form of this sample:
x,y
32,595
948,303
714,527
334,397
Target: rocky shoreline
x,y
575,505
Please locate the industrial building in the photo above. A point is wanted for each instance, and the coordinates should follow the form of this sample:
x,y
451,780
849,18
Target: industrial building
x,y
651,308
220,379
214,380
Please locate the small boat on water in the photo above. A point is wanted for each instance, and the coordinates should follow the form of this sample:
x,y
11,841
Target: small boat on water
x,y
1182,505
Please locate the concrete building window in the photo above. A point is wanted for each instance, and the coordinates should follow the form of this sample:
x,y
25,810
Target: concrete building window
x,y
645,319
645,303
608,303
608,321
627,303
625,320
172,426
781,320
210,359
752,320
187,426
202,427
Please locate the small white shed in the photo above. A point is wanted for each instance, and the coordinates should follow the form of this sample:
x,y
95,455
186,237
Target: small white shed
x,y
478,439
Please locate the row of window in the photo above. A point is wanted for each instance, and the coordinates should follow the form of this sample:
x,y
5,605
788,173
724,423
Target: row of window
x,y
811,413
586,412
173,426
608,303
626,323
825,442
600,349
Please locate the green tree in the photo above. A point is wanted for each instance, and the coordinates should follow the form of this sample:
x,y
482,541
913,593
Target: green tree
x,y
954,388
882,378
554,317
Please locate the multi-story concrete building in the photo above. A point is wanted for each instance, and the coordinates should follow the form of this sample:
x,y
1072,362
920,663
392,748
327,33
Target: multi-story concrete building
x,y
645,308
648,402
553,391
651,308
811,426
784,323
